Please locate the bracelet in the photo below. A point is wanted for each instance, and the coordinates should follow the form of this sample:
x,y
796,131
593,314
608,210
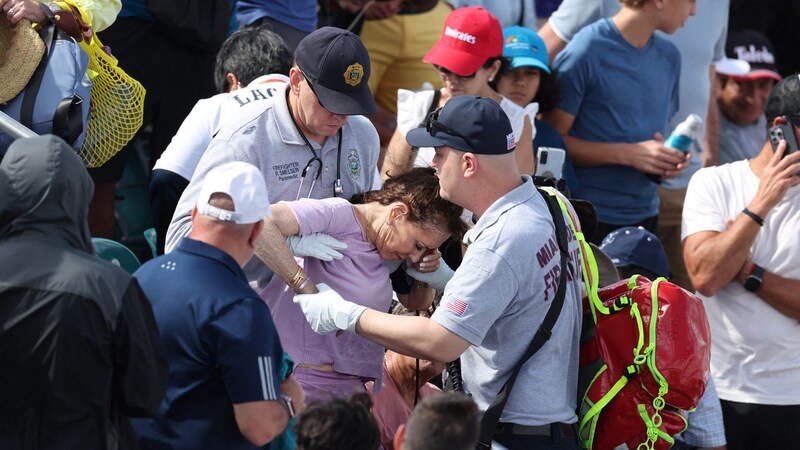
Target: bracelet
x,y
297,279
302,286
756,218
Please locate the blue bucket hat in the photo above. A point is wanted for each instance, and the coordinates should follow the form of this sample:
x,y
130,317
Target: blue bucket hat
x,y
525,48
469,124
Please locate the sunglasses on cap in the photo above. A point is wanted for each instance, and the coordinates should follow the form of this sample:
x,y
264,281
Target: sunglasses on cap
x,y
432,125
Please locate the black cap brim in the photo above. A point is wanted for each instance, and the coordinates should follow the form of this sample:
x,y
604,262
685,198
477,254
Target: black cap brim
x,y
355,103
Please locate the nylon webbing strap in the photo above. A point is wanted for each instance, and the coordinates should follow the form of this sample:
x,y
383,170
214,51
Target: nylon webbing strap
x,y
48,35
67,120
492,415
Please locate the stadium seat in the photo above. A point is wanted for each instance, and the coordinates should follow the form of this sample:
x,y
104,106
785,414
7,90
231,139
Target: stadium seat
x,y
150,237
115,253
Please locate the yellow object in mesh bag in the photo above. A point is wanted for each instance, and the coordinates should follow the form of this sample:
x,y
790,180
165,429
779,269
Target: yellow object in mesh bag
x,y
117,108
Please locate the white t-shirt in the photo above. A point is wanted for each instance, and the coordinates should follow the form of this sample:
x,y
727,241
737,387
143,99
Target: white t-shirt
x,y
754,348
193,137
413,106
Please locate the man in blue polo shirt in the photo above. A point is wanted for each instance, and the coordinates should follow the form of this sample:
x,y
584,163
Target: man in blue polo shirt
x,y
225,388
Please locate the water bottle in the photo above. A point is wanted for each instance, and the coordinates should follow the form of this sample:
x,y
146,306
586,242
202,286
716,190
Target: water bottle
x,y
685,133
681,138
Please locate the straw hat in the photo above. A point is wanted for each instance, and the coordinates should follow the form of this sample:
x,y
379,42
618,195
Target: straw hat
x,y
21,49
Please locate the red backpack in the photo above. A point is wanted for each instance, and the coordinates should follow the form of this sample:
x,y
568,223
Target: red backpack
x,y
644,358
645,361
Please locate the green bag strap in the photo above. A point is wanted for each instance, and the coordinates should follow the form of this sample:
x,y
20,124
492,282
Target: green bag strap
x,y
600,404
588,263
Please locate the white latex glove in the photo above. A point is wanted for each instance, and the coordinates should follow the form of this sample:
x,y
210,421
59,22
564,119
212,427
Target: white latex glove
x,y
316,245
437,279
327,311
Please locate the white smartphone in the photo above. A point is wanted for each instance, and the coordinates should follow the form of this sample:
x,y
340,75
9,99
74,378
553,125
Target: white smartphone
x,y
550,162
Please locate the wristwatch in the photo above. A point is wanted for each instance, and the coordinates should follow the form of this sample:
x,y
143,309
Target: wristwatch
x,y
753,281
287,403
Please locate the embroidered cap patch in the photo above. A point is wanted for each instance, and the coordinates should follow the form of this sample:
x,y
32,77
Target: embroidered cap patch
x,y
354,74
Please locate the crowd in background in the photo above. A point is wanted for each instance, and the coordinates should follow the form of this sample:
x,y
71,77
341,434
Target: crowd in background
x,y
321,163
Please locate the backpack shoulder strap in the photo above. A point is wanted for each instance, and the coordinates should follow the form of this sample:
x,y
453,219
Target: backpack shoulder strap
x,y
48,34
492,415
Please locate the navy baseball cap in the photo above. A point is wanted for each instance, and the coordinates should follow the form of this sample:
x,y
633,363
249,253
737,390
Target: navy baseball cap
x,y
469,124
635,246
336,65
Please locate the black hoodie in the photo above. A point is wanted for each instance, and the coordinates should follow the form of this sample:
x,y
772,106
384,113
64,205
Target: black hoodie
x,y
79,346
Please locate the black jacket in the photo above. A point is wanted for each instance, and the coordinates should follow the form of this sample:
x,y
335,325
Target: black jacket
x,y
79,346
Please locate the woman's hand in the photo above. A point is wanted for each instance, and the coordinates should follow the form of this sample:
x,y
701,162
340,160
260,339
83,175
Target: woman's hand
x,y
437,273
16,10
429,262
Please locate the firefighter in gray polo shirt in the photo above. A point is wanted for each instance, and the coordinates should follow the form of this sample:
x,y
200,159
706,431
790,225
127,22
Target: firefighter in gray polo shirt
x,y
311,141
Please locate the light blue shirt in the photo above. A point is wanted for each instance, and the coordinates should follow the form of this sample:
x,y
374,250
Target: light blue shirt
x,y
507,11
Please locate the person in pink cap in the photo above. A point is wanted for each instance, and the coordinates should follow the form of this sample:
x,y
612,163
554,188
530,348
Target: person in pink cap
x,y
468,56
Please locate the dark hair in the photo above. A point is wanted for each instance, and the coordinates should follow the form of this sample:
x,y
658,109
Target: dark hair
x,y
546,95
505,64
418,189
636,4
250,53
443,420
339,424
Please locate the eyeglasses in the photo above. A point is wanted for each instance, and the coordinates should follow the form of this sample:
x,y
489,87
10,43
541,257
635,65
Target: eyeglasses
x,y
450,74
432,125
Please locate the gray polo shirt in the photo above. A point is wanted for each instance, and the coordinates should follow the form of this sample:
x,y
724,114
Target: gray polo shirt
x,y
498,298
263,134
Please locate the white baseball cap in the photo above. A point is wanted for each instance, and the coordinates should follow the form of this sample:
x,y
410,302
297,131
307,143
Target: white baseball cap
x,y
245,184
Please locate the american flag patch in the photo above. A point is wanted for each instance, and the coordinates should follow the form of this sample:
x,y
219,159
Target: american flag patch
x,y
510,141
458,306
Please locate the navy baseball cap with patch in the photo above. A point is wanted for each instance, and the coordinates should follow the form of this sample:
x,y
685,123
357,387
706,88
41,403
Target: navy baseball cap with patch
x,y
469,124
635,246
336,65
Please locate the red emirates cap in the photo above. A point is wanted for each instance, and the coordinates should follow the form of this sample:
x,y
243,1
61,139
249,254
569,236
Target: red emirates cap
x,y
471,35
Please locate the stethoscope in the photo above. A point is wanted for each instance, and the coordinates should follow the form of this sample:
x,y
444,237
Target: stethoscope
x,y
337,185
